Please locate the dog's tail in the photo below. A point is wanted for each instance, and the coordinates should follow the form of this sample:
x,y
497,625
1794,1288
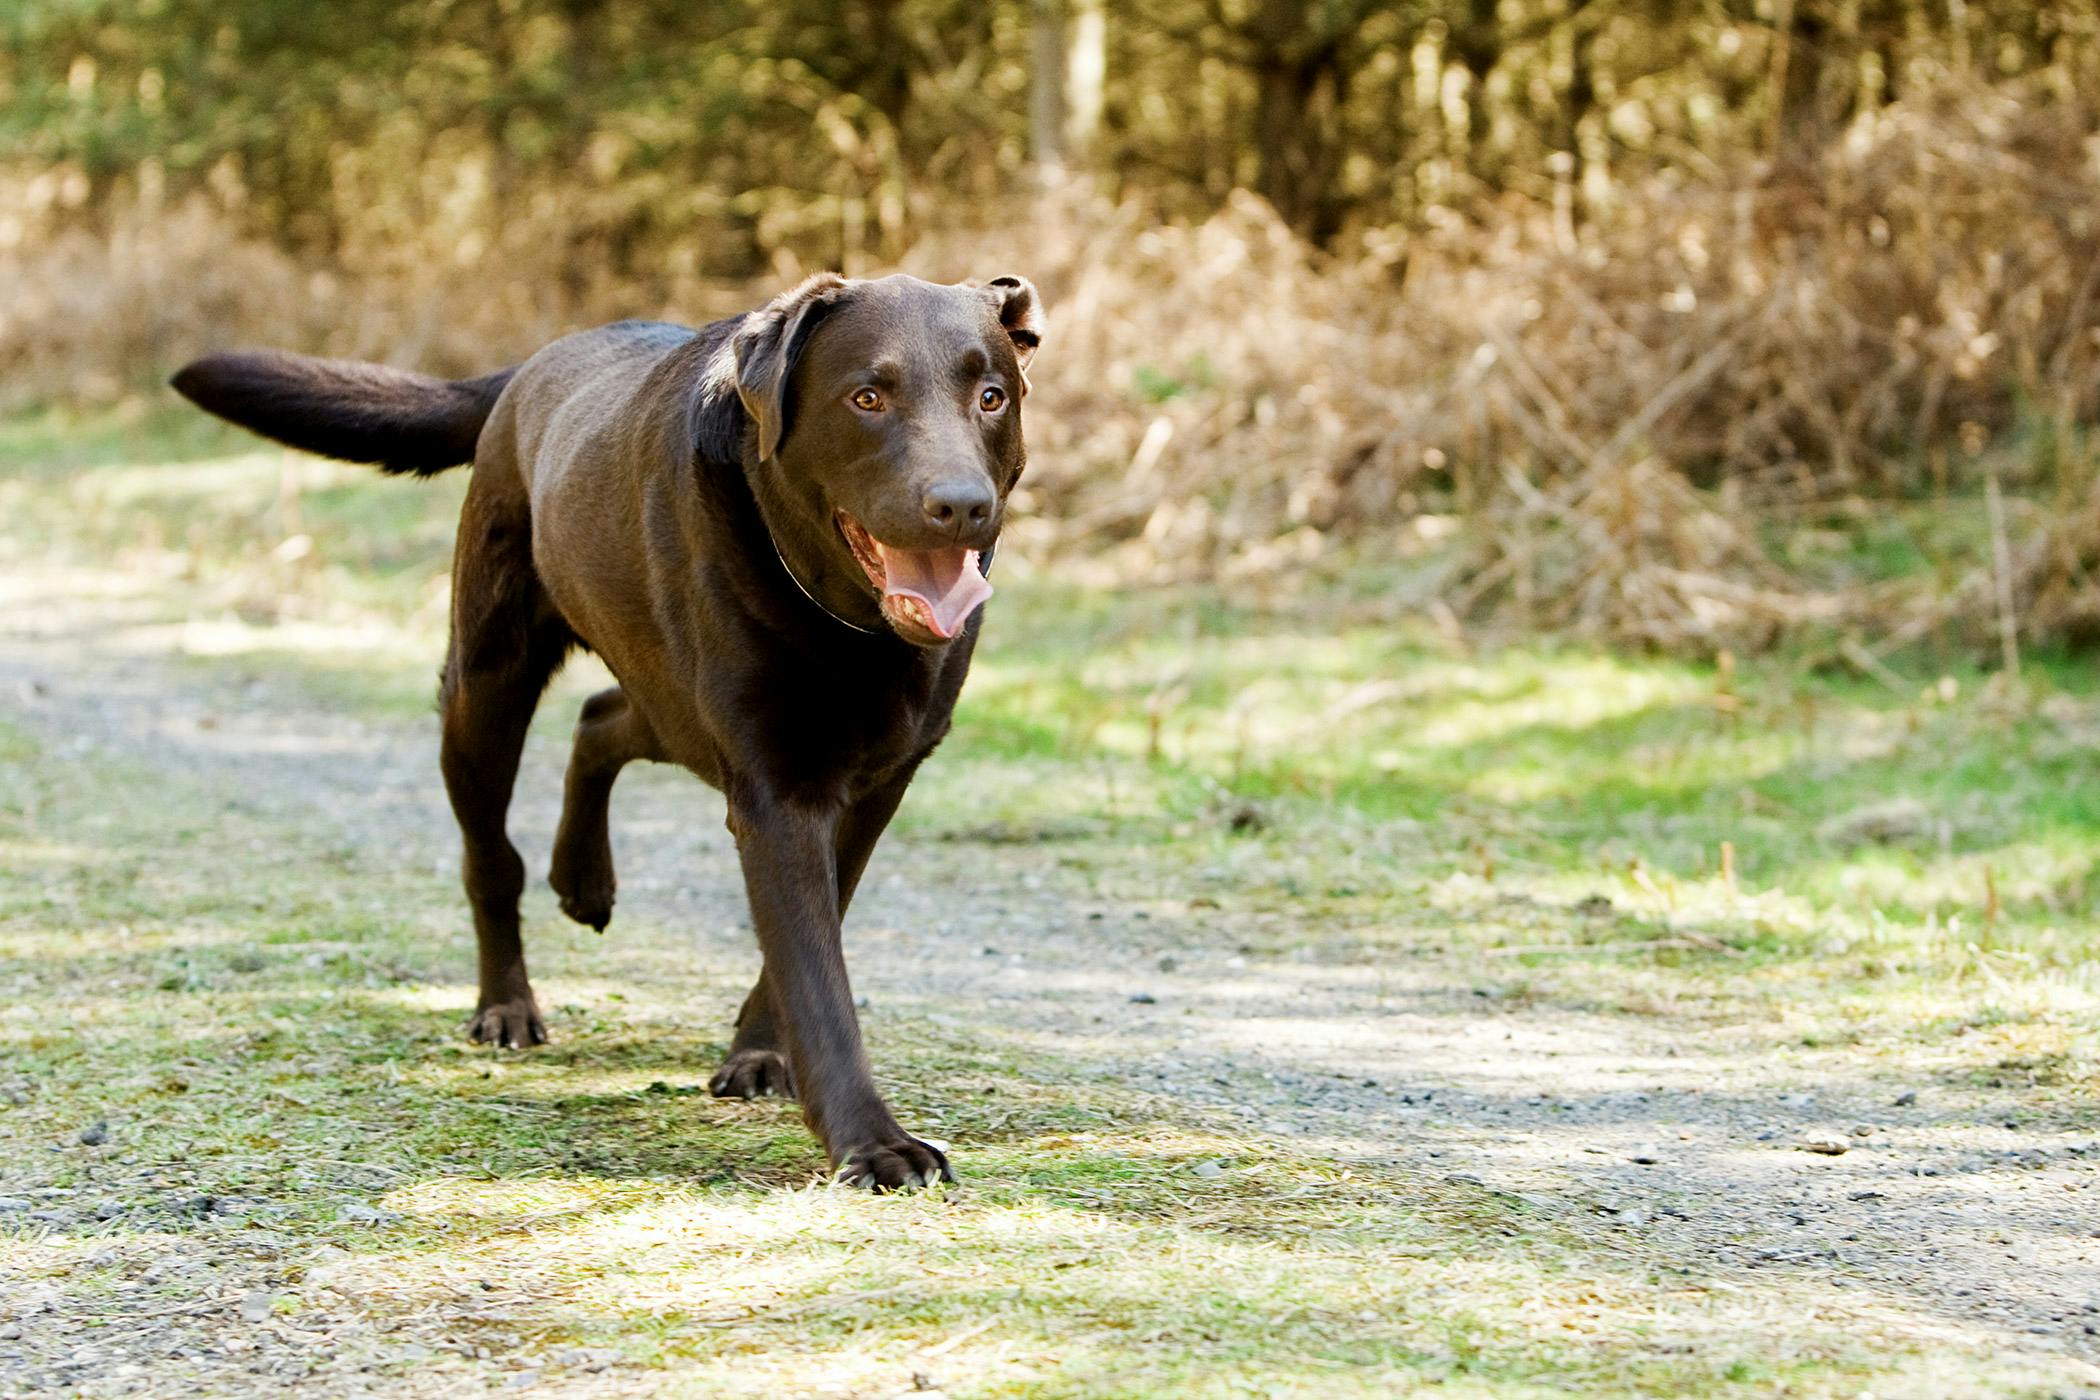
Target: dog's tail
x,y
357,412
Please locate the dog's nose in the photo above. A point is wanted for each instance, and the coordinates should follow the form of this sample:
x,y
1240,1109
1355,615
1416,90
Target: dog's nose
x,y
959,503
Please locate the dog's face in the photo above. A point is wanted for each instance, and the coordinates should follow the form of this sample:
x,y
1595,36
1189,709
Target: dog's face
x,y
891,411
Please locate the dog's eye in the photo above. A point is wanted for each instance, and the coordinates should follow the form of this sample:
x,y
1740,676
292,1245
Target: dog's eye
x,y
992,400
867,400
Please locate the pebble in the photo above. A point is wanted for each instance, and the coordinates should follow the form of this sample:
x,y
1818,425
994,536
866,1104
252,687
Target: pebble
x,y
94,1135
1207,1169
1828,1144
358,1213
1646,1156
10,1205
1143,999
255,1305
524,1380
1906,1099
10,1332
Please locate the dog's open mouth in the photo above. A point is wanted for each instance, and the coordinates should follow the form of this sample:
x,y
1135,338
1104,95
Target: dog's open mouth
x,y
923,590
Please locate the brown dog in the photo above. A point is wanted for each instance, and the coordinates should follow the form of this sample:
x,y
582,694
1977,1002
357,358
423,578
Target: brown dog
x,y
774,529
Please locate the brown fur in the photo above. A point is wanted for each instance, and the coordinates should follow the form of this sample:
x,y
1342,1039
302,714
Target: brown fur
x,y
655,493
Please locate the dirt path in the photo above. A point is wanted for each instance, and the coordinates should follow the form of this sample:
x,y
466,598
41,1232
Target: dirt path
x,y
1944,1208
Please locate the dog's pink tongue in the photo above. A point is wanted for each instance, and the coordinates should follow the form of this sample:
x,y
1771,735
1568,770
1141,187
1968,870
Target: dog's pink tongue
x,y
945,580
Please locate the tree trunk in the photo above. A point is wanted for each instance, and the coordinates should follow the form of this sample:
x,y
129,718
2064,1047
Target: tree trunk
x,y
1046,86
1800,56
1301,78
1086,76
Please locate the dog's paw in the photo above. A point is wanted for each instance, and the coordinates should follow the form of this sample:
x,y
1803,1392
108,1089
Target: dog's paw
x,y
510,1025
584,885
753,1074
899,1163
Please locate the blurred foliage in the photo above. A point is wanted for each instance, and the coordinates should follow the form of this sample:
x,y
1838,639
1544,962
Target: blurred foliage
x,y
722,132
1694,325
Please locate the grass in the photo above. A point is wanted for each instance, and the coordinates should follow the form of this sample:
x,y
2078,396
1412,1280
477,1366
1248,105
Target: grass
x,y
266,1011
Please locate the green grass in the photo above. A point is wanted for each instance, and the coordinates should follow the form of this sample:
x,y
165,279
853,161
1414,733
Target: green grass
x,y
268,1012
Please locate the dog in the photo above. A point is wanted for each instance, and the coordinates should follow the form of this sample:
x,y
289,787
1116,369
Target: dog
x,y
775,530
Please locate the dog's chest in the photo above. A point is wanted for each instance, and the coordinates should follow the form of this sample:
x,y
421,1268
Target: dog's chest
x,y
849,730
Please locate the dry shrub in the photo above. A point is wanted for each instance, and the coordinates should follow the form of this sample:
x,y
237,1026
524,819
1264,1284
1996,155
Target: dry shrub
x,y
1622,417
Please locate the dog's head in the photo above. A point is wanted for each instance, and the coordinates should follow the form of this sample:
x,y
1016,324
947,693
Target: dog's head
x,y
889,413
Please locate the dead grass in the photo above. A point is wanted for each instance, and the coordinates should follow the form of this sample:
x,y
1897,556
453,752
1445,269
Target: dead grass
x,y
1637,430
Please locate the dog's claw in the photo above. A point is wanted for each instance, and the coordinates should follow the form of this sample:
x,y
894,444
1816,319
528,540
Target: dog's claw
x,y
508,1025
753,1074
900,1164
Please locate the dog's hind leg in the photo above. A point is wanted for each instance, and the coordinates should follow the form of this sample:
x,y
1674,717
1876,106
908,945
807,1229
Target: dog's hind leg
x,y
610,734
507,641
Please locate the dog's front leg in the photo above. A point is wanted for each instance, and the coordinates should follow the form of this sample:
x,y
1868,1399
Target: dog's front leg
x,y
788,851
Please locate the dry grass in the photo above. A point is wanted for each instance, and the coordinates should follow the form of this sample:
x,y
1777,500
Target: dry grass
x,y
1634,425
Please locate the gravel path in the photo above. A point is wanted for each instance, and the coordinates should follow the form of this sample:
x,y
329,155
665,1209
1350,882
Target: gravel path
x,y
1937,1204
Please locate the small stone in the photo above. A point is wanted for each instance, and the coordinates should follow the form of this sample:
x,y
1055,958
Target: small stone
x,y
1906,1099
1143,999
255,1305
1168,962
523,1380
1646,1156
1828,1144
357,1213
94,1135
11,1205
1634,1217
10,1332
1207,1169
1862,1130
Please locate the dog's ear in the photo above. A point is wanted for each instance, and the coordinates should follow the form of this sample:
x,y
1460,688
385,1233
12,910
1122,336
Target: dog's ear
x,y
1022,316
766,347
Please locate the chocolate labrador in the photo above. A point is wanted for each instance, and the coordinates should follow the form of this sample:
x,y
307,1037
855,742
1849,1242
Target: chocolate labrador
x,y
775,530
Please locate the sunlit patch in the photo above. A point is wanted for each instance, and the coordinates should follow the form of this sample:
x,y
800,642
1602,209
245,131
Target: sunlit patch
x,y
56,854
